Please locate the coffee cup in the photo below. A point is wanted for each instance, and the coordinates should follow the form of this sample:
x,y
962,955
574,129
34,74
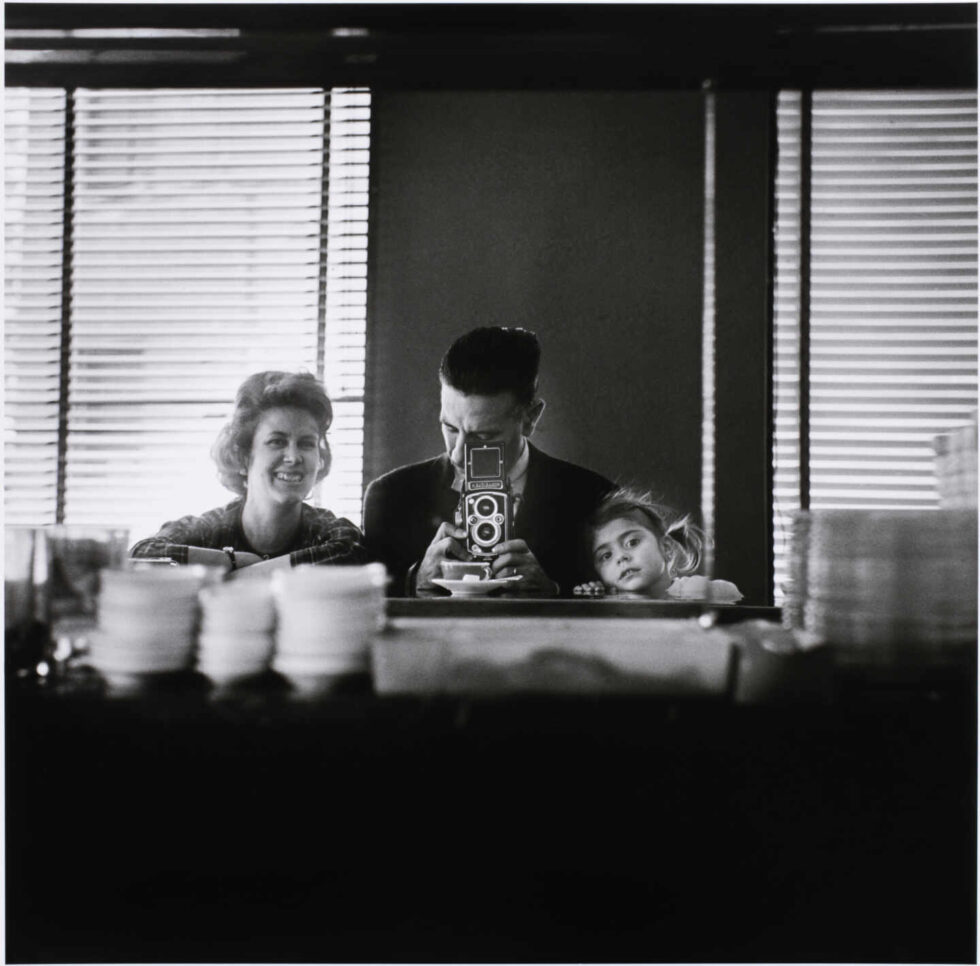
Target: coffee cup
x,y
465,570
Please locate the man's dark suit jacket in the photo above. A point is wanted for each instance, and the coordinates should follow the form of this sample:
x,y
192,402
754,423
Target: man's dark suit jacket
x,y
403,510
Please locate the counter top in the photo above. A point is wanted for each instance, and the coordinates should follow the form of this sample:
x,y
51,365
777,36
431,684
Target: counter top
x,y
565,607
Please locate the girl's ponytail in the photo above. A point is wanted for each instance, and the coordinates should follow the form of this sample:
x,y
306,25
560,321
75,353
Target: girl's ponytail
x,y
683,545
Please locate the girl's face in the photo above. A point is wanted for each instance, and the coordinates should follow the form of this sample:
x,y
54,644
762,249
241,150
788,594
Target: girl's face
x,y
628,556
285,457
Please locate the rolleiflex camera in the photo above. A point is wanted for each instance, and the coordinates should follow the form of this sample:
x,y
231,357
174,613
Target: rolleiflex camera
x,y
486,507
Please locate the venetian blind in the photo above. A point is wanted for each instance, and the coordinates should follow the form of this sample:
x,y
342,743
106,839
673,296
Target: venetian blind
x,y
893,296
203,222
34,160
344,333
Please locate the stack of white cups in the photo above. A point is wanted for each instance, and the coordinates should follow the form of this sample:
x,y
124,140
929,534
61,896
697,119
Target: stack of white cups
x,y
327,618
237,624
147,621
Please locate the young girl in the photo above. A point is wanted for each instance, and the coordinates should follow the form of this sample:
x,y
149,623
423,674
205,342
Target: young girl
x,y
642,549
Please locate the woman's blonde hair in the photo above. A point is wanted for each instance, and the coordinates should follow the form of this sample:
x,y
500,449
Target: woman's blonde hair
x,y
681,540
256,395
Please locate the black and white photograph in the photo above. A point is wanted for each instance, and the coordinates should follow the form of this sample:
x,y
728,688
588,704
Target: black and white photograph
x,y
490,482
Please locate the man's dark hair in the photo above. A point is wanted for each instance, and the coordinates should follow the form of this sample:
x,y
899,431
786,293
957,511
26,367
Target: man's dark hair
x,y
491,360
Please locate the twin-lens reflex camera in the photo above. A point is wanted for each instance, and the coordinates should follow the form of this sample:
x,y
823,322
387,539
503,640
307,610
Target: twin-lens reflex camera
x,y
486,506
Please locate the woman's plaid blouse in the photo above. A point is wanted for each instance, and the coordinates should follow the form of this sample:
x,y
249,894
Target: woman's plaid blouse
x,y
322,538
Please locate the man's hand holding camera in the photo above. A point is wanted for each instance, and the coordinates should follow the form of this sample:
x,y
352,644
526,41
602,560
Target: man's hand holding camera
x,y
513,558
445,545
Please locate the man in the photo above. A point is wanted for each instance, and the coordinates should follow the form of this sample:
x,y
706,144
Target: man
x,y
489,383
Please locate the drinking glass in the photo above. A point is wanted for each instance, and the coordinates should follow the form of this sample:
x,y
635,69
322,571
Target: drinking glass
x,y
24,631
75,555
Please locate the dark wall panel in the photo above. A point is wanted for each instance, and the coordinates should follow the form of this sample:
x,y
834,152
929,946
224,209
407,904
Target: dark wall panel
x,y
743,456
576,214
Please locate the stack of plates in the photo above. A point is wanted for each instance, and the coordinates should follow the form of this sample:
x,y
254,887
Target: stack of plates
x,y
236,638
887,586
147,621
326,620
794,588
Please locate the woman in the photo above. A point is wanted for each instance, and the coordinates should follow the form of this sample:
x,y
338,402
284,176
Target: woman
x,y
272,453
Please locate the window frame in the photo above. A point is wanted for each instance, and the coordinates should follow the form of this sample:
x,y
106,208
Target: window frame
x,y
334,283
814,212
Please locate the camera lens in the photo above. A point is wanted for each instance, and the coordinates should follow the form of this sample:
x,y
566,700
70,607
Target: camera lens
x,y
485,506
486,534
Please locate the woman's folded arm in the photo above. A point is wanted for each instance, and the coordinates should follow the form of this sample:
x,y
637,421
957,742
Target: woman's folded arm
x,y
177,539
338,541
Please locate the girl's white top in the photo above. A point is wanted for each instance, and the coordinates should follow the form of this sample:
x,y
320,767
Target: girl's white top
x,y
696,588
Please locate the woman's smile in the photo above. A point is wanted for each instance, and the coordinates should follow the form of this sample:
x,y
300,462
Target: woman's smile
x,y
290,476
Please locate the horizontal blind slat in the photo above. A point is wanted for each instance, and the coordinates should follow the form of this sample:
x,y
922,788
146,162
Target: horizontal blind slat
x,y
34,139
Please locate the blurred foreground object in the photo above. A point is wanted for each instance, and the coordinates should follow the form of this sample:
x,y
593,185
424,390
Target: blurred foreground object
x,y
326,620
147,623
956,466
557,655
237,630
52,581
24,587
889,589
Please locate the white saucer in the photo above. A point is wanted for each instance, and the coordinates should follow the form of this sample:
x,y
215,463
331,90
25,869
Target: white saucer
x,y
475,588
